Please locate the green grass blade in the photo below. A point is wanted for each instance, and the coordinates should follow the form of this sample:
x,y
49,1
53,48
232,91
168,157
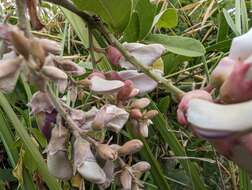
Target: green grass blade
x,y
161,125
245,181
81,30
12,152
230,22
156,171
222,28
238,16
244,17
42,168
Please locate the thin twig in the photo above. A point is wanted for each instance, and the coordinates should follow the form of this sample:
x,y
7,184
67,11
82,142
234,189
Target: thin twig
x,y
76,130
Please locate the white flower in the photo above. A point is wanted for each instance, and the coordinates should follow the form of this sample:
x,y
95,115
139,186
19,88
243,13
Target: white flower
x,y
141,81
145,54
241,47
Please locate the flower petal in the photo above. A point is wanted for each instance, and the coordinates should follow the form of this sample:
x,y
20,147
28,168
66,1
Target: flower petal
x,y
141,81
241,47
101,86
145,54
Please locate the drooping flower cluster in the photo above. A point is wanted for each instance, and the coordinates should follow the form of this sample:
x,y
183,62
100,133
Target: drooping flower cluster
x,y
148,55
83,132
225,122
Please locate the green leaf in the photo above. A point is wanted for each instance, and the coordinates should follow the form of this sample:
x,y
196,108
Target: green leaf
x,y
131,33
230,22
6,175
29,163
178,45
164,104
220,46
115,13
169,19
78,25
222,27
146,14
39,137
18,170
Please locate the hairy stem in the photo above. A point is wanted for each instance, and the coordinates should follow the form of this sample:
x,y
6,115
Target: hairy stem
x,y
23,22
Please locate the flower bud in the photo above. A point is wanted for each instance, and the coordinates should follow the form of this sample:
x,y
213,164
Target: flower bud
x,y
125,91
50,46
144,128
237,87
130,147
54,73
126,179
21,43
221,72
151,114
136,114
141,166
69,66
140,103
85,162
106,152
37,51
115,147
113,55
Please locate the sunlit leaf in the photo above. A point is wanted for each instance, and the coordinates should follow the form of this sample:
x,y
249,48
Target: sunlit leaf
x,y
113,12
179,45
169,19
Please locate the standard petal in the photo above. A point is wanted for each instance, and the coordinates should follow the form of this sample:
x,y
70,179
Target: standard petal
x,y
41,102
103,86
141,81
145,54
241,47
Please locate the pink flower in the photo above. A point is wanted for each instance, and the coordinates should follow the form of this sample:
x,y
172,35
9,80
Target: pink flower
x,y
222,71
183,105
238,86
